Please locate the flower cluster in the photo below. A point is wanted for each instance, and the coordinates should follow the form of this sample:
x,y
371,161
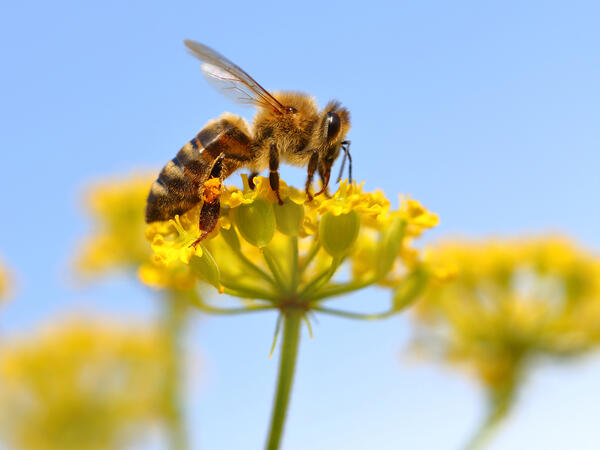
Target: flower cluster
x,y
81,384
118,243
504,303
289,255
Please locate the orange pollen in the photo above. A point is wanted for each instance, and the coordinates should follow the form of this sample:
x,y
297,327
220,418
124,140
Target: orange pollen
x,y
211,190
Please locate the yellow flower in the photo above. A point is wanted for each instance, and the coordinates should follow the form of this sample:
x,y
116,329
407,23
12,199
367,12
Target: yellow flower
x,y
118,243
177,249
350,197
81,384
417,217
5,282
117,209
503,303
290,254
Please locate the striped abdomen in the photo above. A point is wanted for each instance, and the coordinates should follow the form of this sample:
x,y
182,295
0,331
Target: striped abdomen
x,y
177,188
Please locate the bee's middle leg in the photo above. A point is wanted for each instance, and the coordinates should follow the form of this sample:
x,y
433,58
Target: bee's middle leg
x,y
324,183
324,173
312,167
273,170
211,194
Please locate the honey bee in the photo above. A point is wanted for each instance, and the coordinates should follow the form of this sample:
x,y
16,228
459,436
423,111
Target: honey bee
x,y
287,127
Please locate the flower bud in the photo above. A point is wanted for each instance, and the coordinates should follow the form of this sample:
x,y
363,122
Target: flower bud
x,y
231,237
289,217
206,268
389,246
410,289
337,234
255,222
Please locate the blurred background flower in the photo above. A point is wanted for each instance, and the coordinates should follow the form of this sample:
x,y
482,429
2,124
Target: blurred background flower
x,y
82,384
118,244
503,305
5,282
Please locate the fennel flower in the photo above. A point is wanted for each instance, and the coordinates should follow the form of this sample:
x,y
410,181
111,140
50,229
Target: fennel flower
x,y
290,257
81,384
502,305
117,242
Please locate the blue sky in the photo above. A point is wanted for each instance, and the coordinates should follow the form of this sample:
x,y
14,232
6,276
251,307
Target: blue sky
x,y
487,112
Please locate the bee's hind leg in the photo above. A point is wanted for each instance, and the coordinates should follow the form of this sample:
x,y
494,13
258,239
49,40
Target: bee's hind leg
x,y
251,178
211,194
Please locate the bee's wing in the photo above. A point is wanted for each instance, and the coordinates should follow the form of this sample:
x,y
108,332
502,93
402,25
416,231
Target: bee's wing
x,y
231,79
228,85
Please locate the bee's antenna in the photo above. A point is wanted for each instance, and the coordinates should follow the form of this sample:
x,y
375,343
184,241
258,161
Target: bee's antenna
x,y
346,148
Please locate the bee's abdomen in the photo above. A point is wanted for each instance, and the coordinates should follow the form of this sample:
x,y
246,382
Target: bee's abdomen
x,y
177,188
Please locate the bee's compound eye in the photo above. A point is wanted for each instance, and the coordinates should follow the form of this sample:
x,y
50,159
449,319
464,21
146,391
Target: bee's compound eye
x,y
333,125
291,110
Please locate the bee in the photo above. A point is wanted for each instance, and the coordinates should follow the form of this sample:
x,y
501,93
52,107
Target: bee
x,y
287,127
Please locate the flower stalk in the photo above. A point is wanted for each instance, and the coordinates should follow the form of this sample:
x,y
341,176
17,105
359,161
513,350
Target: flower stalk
x,y
292,319
174,323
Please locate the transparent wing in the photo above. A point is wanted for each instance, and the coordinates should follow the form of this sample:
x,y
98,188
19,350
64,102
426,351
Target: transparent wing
x,y
229,85
230,79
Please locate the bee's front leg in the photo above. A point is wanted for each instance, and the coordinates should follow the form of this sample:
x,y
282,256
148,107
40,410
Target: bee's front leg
x,y
312,167
211,195
346,148
273,170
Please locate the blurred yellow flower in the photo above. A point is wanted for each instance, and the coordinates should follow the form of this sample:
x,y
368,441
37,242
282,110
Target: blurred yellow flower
x,y
499,304
280,253
118,243
82,385
5,282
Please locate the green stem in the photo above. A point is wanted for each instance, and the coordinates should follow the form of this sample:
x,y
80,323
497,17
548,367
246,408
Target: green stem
x,y
312,252
196,301
499,406
287,363
232,311
353,315
321,279
264,275
275,269
294,265
240,290
174,323
334,290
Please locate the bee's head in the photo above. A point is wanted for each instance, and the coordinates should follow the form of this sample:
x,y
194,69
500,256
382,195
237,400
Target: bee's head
x,y
333,126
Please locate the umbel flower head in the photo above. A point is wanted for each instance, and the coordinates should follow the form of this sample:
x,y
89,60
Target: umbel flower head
x,y
505,304
118,243
81,384
289,255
